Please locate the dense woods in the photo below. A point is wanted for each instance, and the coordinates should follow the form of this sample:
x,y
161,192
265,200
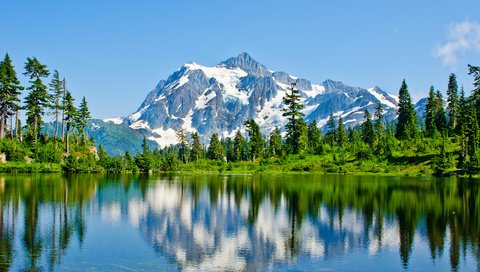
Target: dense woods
x,y
445,142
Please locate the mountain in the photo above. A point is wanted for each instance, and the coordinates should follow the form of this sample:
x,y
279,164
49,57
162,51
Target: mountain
x,y
220,99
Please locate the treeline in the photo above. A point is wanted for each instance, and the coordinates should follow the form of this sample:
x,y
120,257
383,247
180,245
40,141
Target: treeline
x,y
19,143
446,142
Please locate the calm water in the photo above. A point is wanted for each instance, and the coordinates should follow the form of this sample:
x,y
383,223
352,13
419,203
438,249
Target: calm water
x,y
254,223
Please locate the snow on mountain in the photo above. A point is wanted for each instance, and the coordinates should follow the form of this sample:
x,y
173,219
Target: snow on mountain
x,y
221,98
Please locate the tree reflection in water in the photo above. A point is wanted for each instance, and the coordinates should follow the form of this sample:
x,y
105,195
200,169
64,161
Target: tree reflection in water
x,y
243,222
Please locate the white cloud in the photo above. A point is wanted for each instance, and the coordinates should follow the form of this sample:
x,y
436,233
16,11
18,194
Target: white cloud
x,y
461,38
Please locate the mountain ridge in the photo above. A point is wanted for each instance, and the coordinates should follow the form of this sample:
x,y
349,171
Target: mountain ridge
x,y
219,99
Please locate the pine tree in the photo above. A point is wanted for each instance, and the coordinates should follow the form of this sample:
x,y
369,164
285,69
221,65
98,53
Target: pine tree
x,y
314,138
440,115
276,143
473,162
330,136
407,120
37,99
475,72
70,116
379,128
56,87
183,144
196,153
430,114
294,114
83,117
341,134
256,142
10,89
368,134
215,149
238,147
452,100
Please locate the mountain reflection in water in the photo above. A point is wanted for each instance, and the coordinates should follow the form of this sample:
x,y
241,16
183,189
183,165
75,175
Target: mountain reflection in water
x,y
53,222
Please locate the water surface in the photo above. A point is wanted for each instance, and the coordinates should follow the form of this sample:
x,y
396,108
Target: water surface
x,y
254,223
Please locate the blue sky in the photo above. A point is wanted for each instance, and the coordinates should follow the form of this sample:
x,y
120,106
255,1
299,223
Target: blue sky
x,y
115,52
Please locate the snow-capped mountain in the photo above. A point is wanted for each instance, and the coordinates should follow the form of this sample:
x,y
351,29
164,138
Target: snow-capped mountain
x,y
220,99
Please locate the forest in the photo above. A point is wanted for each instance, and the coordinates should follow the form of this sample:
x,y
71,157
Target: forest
x,y
445,142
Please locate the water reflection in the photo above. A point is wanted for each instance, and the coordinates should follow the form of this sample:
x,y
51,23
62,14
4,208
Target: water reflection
x,y
246,222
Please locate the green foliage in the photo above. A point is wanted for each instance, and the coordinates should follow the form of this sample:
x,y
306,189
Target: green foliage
x,y
215,149
196,153
295,139
256,142
38,98
407,123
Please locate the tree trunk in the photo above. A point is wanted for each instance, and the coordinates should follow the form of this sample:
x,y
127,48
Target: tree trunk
x,y
35,128
11,126
2,126
63,106
56,123
67,148
16,124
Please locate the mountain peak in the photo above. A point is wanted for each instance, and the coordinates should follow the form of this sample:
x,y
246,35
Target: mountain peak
x,y
245,62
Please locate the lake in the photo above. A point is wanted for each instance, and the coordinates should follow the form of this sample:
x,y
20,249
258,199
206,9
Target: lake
x,y
238,222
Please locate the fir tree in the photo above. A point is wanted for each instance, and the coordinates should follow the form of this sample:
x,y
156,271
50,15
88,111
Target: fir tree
x,y
407,120
10,89
314,138
475,72
368,134
431,113
83,117
56,87
183,144
473,162
196,153
38,98
294,115
341,134
330,136
452,100
275,143
70,116
256,142
440,116
215,149
379,126
238,147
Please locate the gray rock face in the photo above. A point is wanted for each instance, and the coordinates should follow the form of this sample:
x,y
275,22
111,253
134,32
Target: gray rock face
x,y
220,99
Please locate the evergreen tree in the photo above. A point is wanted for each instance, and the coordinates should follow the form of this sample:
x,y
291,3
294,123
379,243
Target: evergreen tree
x,y
314,138
452,100
407,120
227,144
238,147
10,89
196,153
294,115
276,143
143,160
440,115
70,116
341,134
256,142
38,98
368,134
83,117
379,126
330,136
182,139
56,87
475,72
215,149
473,162
430,114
